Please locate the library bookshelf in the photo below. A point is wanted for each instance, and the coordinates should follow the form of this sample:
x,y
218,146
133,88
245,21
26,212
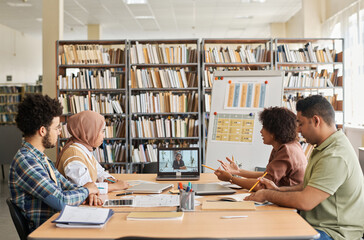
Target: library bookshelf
x,y
10,96
312,66
92,75
163,86
164,97
230,55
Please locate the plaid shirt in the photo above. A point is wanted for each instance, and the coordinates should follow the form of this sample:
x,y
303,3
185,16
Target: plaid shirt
x,y
30,183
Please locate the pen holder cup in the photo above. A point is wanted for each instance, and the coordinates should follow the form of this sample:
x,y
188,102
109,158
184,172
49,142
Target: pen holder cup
x,y
187,201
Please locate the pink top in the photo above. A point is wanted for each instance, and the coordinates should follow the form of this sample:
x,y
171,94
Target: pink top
x,y
287,165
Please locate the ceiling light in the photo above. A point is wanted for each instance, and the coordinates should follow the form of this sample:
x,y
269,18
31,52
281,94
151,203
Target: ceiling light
x,y
253,1
11,4
144,17
136,1
244,17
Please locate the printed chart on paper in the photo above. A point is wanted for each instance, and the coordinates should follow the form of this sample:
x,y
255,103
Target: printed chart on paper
x,y
233,127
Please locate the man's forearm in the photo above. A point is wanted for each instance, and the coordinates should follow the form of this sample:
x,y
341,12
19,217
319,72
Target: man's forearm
x,y
285,199
298,187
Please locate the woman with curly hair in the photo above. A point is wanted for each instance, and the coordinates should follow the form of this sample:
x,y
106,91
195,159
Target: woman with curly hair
x,y
287,161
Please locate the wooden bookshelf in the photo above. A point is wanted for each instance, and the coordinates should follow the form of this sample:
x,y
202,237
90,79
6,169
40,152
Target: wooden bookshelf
x,y
10,96
233,55
92,75
312,66
164,88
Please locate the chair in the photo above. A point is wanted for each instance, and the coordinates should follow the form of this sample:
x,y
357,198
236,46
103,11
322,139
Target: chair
x,y
20,222
150,167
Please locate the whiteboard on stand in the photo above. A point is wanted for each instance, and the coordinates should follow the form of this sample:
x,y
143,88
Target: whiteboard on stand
x,y
234,127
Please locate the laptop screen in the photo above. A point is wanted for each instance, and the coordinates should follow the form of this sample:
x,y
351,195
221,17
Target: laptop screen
x,y
183,160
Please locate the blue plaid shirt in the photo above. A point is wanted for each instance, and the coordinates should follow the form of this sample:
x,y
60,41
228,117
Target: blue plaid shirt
x,y
30,183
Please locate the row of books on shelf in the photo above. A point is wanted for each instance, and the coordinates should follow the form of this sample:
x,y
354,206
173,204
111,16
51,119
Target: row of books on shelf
x,y
92,79
102,103
9,108
162,54
308,54
10,89
148,153
164,102
312,79
241,54
163,78
113,129
289,101
111,152
7,117
9,99
208,78
144,127
89,54
33,88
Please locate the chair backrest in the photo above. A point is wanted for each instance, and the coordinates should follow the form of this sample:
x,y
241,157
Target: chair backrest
x,y
20,222
150,168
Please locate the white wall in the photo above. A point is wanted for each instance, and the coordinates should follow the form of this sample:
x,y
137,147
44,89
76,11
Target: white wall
x,y
355,136
20,56
334,6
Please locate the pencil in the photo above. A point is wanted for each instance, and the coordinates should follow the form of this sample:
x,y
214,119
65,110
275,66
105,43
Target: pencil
x,y
208,167
258,181
233,158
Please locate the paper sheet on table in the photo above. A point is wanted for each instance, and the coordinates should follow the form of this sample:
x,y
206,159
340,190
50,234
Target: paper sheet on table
x,y
229,185
155,200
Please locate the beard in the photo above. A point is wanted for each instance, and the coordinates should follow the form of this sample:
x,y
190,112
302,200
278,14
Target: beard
x,y
46,142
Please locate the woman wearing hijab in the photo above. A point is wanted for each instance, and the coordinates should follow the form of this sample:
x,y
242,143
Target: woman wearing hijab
x,y
76,160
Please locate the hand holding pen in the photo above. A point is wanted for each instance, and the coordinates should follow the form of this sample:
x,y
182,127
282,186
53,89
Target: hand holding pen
x,y
258,181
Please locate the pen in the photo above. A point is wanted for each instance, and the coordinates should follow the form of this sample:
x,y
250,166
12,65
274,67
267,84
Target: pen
x,y
233,158
100,188
208,167
231,217
110,180
124,193
258,181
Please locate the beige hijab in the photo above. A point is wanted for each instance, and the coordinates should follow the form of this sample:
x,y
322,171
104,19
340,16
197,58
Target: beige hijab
x,y
84,128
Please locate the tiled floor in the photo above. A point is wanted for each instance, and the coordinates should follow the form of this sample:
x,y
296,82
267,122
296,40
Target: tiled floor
x,y
7,229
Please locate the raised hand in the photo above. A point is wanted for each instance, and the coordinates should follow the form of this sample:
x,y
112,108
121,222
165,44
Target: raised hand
x,y
230,167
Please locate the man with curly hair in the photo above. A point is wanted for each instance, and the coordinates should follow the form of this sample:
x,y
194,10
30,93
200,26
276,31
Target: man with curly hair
x,y
287,161
36,186
331,197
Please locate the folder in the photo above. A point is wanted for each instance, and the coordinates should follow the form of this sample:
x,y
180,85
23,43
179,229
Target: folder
x,y
83,217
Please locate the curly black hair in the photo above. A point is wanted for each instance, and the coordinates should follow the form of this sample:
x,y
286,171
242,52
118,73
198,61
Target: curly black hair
x,y
316,105
36,111
280,122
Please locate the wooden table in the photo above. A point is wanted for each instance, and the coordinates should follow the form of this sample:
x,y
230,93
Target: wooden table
x,y
268,222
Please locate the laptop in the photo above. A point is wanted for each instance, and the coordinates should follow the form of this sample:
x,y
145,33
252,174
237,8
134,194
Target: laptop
x,y
179,164
149,187
211,189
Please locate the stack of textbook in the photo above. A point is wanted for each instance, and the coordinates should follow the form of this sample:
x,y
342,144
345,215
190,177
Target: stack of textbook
x,y
83,217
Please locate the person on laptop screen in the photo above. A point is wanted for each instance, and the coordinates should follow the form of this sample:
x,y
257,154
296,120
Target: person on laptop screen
x,y
287,162
178,163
